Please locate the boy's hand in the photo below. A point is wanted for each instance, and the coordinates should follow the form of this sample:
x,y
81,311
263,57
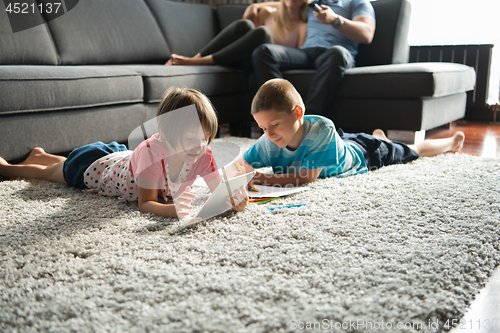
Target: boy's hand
x,y
250,185
183,203
239,199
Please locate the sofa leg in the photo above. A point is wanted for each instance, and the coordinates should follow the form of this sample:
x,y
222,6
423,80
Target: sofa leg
x,y
409,137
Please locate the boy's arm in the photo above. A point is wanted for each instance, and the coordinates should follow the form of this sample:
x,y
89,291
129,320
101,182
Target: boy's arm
x,y
305,176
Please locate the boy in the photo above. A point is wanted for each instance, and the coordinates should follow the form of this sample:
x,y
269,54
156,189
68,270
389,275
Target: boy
x,y
302,148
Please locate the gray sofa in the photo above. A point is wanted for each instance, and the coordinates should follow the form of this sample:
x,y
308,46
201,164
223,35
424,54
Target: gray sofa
x,y
96,73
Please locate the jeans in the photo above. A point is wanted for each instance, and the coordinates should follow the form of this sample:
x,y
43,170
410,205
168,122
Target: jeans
x,y
269,61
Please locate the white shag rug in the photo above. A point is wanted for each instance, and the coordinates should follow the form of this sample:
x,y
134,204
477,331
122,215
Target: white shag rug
x,y
404,245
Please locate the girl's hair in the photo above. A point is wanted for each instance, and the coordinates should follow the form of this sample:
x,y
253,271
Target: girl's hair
x,y
277,95
175,98
283,25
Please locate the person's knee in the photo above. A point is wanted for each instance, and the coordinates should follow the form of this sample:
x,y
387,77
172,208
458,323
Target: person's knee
x,y
243,26
337,55
261,53
264,35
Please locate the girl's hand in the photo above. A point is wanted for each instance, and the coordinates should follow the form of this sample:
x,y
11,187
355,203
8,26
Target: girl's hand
x,y
239,199
183,203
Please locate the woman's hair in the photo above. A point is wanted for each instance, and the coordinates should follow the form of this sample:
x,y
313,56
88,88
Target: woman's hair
x,y
283,25
277,95
174,125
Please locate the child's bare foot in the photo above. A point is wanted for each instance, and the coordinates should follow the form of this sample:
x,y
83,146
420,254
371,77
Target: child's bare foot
x,y
39,156
34,155
379,134
3,163
458,141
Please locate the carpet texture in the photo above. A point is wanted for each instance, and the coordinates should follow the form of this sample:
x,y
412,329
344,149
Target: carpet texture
x,y
404,245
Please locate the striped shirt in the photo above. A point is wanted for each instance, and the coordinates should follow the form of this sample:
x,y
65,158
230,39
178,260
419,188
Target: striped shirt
x,y
321,147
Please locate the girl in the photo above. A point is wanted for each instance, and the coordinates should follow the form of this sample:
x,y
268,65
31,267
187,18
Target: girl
x,y
233,46
166,164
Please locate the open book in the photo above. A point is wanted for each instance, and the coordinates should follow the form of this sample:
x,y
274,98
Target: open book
x,y
272,191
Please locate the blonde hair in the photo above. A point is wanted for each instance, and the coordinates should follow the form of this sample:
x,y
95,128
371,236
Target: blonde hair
x,y
175,98
276,95
282,24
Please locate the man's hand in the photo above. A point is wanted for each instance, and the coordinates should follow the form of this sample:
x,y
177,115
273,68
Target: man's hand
x,y
326,16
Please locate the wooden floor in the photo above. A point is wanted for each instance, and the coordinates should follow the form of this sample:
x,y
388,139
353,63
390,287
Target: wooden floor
x,y
481,138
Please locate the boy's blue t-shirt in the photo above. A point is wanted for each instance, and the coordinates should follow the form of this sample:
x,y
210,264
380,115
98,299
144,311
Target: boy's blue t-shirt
x,y
325,35
321,147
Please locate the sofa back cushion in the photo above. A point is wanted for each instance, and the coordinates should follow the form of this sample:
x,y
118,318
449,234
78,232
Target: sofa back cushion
x,y
108,32
390,43
227,13
187,27
32,46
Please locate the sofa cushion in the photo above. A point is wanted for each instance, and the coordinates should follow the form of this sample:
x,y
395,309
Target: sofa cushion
x,y
187,27
227,13
210,80
415,80
365,115
108,32
390,42
42,88
27,47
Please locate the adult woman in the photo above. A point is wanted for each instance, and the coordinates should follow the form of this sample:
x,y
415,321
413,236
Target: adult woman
x,y
233,46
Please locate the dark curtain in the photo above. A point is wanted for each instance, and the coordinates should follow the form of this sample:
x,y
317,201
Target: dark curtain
x,y
218,2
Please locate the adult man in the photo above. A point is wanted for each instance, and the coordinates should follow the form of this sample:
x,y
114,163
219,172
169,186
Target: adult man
x,y
333,35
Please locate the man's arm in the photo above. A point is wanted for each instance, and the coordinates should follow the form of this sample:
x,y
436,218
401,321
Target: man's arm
x,y
361,29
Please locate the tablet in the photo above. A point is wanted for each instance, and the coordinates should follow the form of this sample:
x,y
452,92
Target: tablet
x,y
217,202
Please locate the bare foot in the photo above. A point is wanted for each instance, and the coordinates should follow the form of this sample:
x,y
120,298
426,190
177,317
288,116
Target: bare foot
x,y
379,134
3,162
40,157
176,59
458,141
34,155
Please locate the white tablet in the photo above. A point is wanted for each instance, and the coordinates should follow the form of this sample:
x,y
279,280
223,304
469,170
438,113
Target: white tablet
x,y
217,202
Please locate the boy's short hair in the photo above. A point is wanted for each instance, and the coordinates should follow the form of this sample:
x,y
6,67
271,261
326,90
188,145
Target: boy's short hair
x,y
277,95
175,98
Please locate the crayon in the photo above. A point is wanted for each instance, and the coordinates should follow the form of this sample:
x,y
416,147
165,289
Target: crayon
x,y
290,206
267,200
243,172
